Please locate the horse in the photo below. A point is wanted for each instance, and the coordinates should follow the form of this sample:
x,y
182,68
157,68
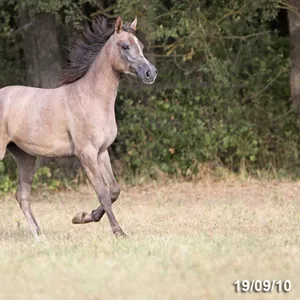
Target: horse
x,y
77,118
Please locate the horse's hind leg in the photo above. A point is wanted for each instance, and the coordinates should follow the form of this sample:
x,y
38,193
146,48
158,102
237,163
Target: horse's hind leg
x,y
26,165
3,143
2,152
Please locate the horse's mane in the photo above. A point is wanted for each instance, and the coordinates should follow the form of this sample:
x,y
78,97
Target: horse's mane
x,y
84,51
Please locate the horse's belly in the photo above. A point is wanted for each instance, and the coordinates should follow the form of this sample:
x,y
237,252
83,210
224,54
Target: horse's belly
x,y
59,149
40,138
42,142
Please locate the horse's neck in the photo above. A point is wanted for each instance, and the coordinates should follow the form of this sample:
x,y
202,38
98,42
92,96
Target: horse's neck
x,y
100,84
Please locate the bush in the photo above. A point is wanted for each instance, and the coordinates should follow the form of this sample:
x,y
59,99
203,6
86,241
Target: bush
x,y
222,94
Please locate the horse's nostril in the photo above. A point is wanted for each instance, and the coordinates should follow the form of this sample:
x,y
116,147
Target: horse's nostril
x,y
148,74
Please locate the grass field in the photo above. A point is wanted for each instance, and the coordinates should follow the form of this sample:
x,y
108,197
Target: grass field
x,y
186,241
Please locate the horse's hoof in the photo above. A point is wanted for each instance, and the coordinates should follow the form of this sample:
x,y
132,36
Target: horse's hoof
x,y
81,218
120,234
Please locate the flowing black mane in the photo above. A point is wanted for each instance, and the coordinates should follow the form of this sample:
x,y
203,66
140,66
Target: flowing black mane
x,y
84,51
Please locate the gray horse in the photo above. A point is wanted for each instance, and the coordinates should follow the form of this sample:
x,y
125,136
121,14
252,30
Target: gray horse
x,y
77,118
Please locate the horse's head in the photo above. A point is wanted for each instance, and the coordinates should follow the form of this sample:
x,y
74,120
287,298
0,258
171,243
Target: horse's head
x,y
128,54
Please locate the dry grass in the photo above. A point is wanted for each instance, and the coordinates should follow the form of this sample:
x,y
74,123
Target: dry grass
x,y
186,241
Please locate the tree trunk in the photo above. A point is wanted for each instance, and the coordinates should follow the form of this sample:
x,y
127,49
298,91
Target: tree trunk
x,y
294,29
41,49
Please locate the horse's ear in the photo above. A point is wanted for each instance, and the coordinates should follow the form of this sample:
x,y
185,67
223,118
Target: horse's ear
x,y
119,25
133,25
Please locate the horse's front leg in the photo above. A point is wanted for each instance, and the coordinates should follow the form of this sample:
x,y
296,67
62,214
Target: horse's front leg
x,y
96,215
99,175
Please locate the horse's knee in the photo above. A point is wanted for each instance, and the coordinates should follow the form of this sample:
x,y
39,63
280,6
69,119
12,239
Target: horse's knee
x,y
115,191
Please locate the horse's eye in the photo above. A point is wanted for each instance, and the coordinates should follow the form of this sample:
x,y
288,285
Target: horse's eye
x,y
125,47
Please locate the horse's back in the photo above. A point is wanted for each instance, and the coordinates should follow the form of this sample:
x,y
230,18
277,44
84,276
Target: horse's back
x,y
11,97
14,93
4,103
4,97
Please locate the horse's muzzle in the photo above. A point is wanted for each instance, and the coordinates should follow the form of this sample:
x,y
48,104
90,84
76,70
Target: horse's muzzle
x,y
146,72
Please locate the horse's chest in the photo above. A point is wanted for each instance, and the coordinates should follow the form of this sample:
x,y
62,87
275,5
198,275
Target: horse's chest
x,y
103,134
109,135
